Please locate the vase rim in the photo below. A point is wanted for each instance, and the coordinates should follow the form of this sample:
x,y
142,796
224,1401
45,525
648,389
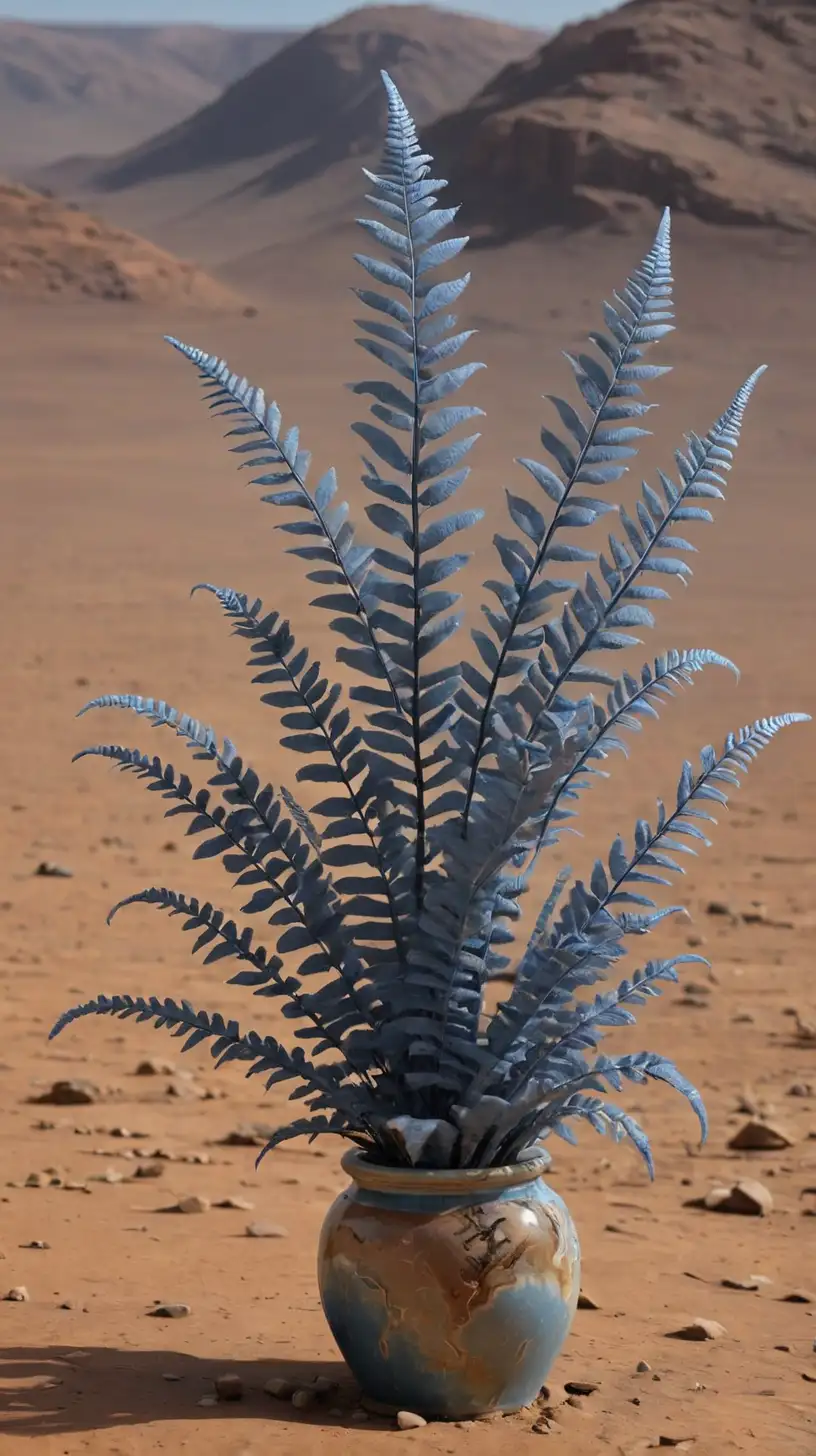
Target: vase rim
x,y
381,1178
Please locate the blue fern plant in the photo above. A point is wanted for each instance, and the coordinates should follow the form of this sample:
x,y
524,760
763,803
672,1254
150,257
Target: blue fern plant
x,y
392,903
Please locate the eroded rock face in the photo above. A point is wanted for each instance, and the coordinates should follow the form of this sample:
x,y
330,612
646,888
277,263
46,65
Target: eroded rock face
x,y
703,105
450,1306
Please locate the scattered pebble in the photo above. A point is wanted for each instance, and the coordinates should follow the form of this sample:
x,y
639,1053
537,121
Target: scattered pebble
x,y
193,1203
241,1203
18,1295
208,1400
68,1093
751,1286
805,1030
36,1244
303,1398
149,1170
47,869
721,907
247,1135
581,1387
585,1301
261,1230
323,1385
799,1296
699,1329
643,1367
747,1196
155,1067
170,1311
410,1421
229,1387
279,1388
757,1136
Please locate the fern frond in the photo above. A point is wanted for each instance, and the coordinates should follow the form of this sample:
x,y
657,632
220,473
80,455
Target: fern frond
x,y
321,730
588,936
264,974
627,703
600,444
593,622
303,903
330,536
412,616
266,1056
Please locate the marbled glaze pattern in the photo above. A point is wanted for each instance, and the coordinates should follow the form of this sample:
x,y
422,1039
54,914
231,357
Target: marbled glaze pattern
x,y
449,1294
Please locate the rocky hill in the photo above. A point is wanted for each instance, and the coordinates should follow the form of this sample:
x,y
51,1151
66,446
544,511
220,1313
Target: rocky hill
x,y
321,99
50,250
100,88
706,105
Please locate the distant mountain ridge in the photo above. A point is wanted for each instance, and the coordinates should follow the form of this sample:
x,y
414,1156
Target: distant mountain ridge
x,y
100,88
321,99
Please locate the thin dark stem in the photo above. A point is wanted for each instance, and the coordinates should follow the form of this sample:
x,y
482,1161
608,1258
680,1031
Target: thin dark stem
x,y
416,445
484,722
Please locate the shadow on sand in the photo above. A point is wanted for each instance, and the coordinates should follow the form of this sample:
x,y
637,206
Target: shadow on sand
x,y
64,1389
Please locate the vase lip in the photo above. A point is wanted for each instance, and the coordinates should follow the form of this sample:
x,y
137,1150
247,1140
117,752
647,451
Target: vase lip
x,y
382,1178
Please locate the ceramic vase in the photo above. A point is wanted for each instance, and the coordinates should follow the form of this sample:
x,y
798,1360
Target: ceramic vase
x,y
449,1292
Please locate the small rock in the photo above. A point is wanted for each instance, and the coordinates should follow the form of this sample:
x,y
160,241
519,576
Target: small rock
x,y
229,1387
643,1367
323,1386
68,1304
149,1170
410,1421
240,1203
800,1089
247,1135
805,1030
36,1180
303,1398
194,1203
208,1400
585,1301
581,1387
809,1375
279,1388
18,1295
168,1375
36,1244
799,1296
170,1311
155,1067
359,1417
756,1136
261,1230
47,869
675,1440
186,1090
747,1197
721,907
68,1094
699,1329
751,1286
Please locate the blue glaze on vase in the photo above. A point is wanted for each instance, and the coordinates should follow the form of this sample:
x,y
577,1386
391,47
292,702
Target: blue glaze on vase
x,y
450,1292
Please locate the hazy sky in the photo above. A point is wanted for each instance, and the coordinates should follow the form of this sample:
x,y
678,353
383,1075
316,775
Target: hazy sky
x,y
543,14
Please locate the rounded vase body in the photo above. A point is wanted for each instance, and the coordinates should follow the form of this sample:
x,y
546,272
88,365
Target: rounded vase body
x,y
451,1292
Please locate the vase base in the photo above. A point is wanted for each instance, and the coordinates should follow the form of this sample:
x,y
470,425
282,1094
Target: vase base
x,y
382,1408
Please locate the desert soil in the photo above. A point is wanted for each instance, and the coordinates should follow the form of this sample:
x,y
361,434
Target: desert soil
x,y
117,495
